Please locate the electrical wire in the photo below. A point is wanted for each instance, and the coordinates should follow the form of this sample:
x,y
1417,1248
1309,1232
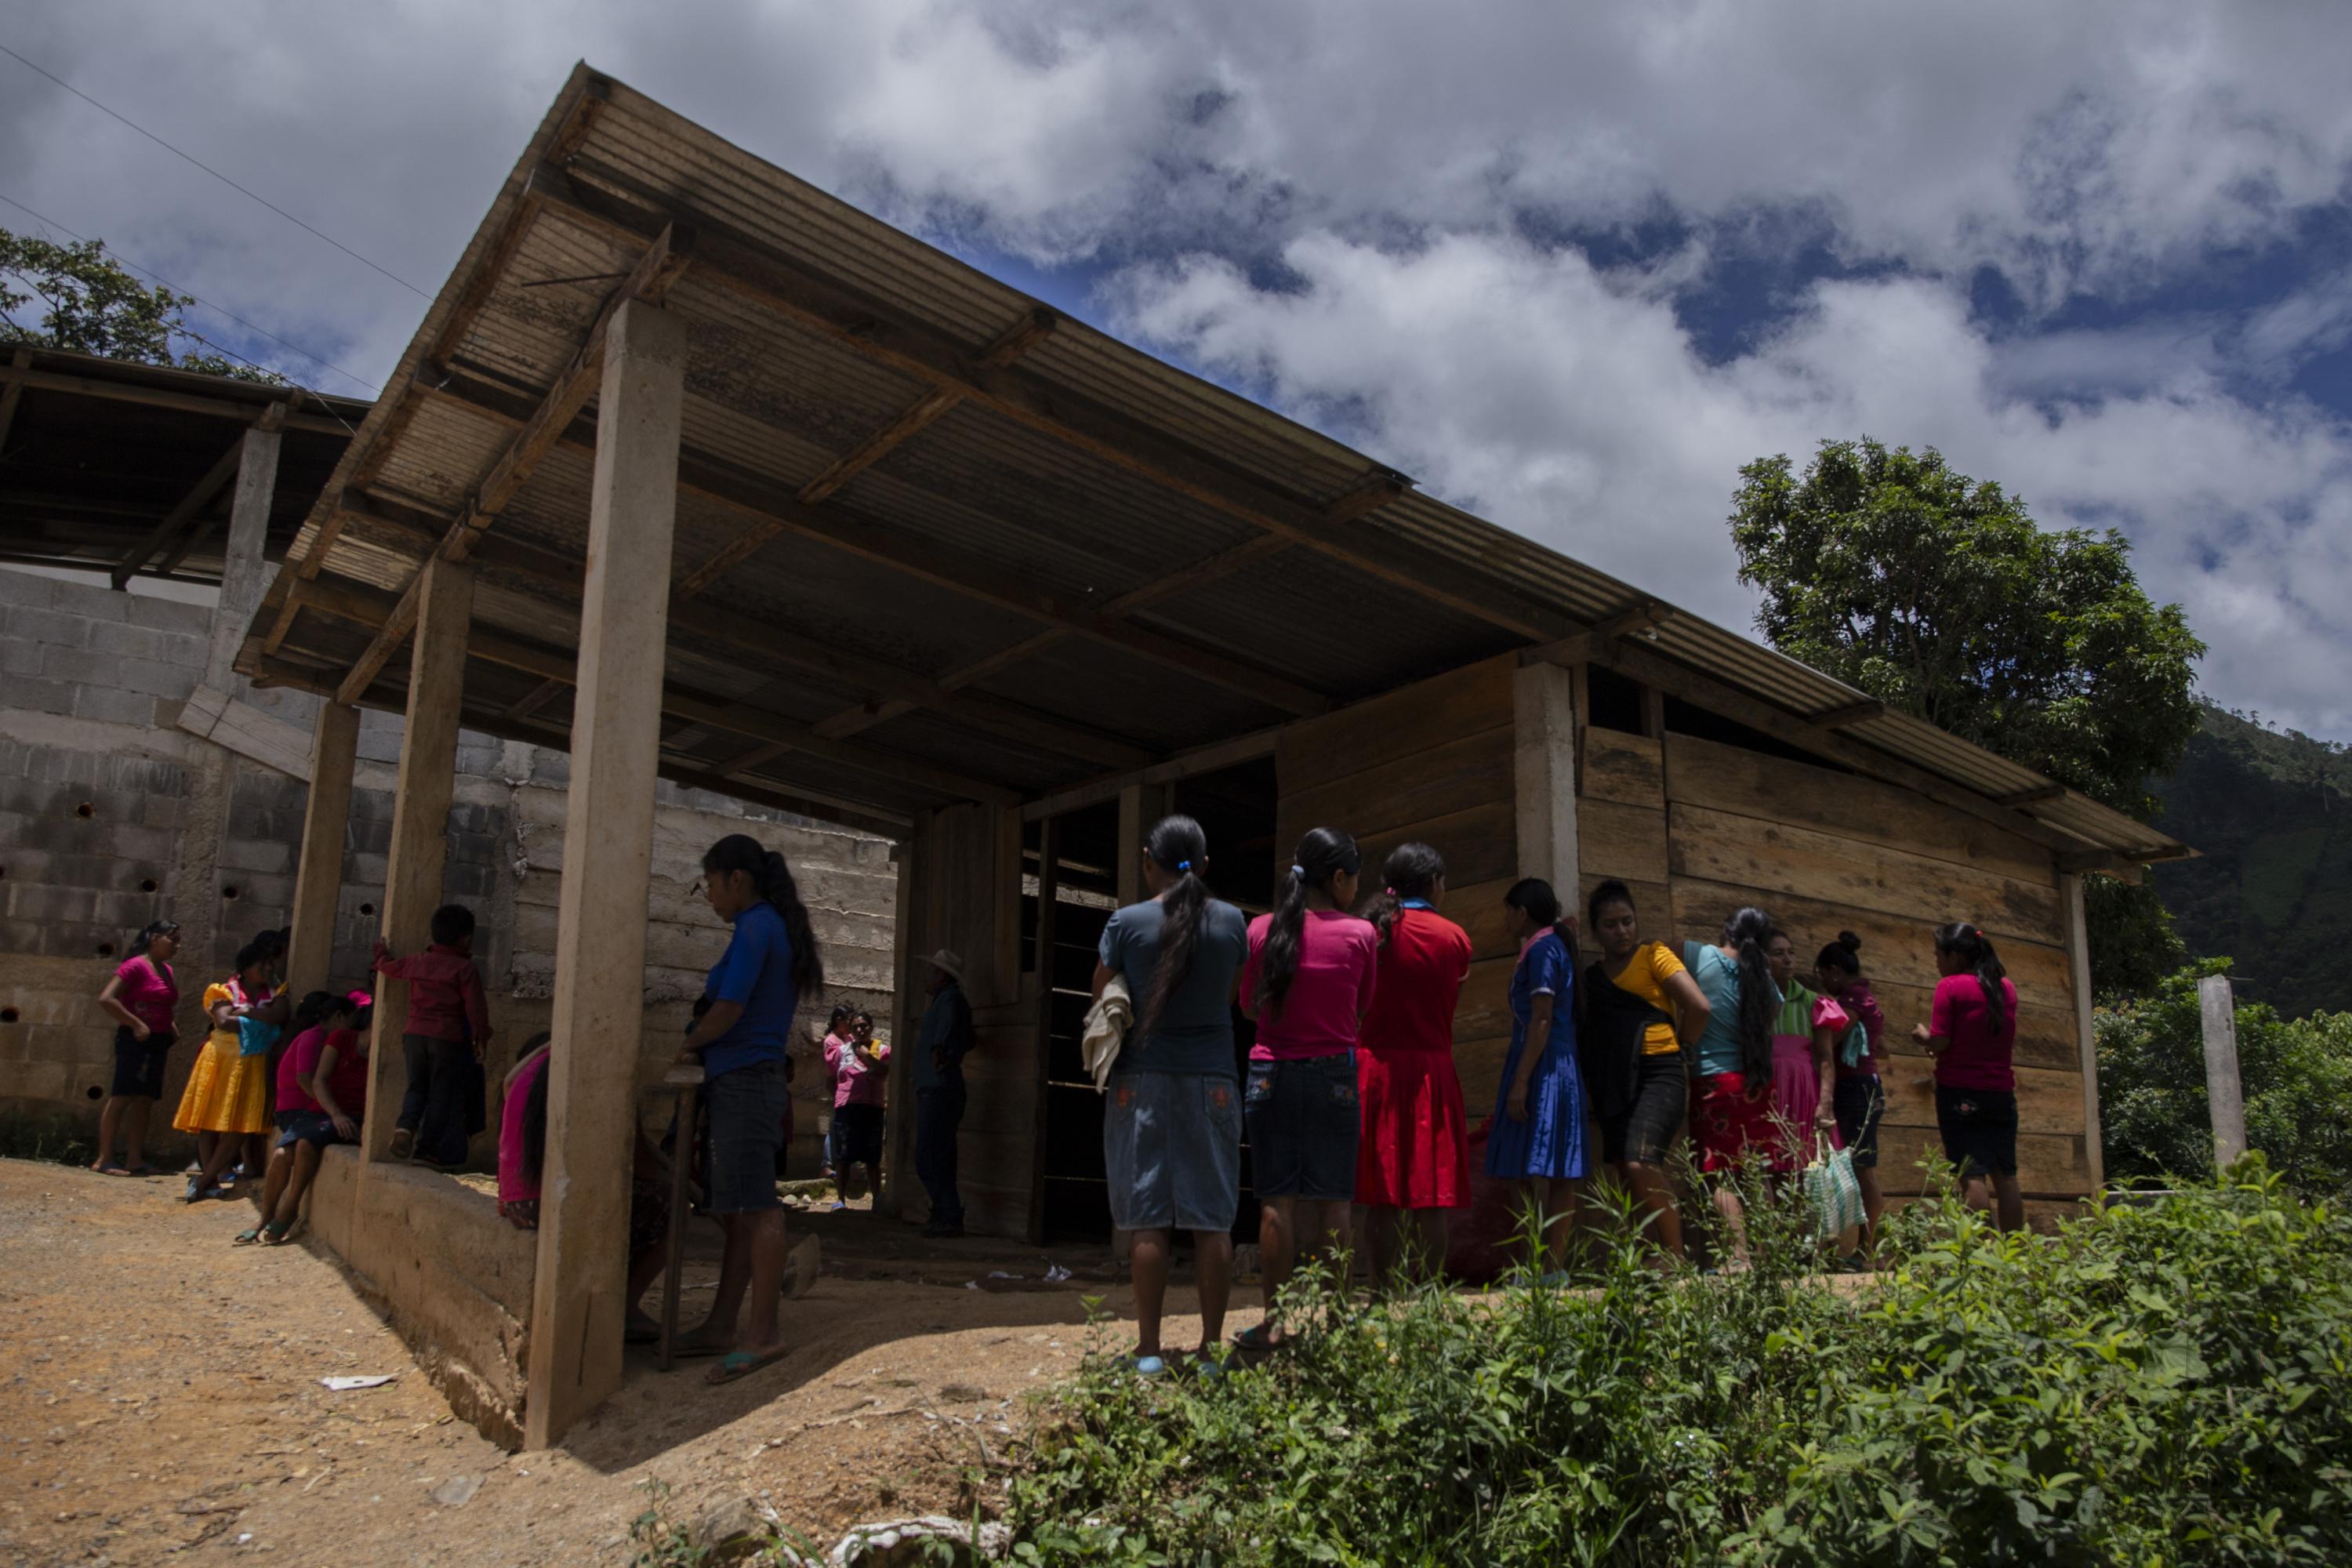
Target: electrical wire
x,y
208,304
215,174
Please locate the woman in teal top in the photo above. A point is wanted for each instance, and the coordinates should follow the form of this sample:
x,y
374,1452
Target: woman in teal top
x,y
1732,1105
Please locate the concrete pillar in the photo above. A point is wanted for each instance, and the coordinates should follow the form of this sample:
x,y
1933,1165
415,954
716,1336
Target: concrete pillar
x,y
2217,1006
326,822
600,945
420,818
2078,970
244,574
1543,710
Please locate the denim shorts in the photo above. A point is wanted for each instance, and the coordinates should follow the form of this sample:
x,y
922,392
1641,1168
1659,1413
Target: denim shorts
x,y
306,1126
1859,1101
743,1118
1647,1128
1303,1128
1979,1129
138,1064
1173,1150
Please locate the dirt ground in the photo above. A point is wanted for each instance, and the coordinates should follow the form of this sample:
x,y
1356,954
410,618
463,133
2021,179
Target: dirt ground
x,y
160,1399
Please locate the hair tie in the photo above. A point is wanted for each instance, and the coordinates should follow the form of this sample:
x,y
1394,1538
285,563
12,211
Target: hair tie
x,y
1299,872
1183,865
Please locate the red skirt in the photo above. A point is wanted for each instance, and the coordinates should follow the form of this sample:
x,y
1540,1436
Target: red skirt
x,y
1414,1147
1728,1120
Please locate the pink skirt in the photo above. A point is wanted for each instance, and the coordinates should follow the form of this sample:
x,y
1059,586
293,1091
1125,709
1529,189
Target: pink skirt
x,y
1796,1100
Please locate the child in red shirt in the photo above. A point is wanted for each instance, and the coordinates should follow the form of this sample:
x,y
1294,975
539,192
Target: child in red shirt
x,y
448,1026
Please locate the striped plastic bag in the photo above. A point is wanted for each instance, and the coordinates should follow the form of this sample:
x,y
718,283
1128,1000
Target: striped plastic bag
x,y
1833,1191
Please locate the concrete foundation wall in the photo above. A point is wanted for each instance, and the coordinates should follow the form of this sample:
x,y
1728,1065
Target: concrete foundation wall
x,y
110,815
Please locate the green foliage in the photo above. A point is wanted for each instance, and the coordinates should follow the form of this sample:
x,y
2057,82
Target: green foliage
x,y
1938,594
94,305
2166,1383
2296,1075
2271,812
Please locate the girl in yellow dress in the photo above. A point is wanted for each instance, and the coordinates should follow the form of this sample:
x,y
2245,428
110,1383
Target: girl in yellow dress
x,y
228,1095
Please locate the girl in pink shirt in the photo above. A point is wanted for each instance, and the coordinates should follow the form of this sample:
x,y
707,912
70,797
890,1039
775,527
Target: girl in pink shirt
x,y
141,997
1308,982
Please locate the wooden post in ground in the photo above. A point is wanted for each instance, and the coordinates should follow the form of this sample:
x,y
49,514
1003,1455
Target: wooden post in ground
x,y
2078,970
2217,1006
326,822
577,1292
420,820
1543,712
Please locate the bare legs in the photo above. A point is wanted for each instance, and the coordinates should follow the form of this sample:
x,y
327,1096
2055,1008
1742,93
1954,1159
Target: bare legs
x,y
754,1260
1560,1199
1407,1243
1278,1235
1654,1195
1999,1196
299,1171
1213,1267
1734,1219
1874,1205
125,1115
1212,1271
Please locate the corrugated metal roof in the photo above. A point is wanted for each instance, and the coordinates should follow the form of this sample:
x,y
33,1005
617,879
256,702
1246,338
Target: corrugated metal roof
x,y
1086,471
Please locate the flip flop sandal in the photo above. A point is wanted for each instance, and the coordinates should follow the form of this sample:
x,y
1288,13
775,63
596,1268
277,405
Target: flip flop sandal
x,y
737,1364
1254,1340
246,1237
695,1350
108,1168
275,1233
142,1170
1146,1367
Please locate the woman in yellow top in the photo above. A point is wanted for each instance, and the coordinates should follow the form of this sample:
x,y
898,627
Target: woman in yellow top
x,y
1641,1006
226,1102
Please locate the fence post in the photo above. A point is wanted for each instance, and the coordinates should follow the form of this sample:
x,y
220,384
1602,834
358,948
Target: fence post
x,y
2218,1009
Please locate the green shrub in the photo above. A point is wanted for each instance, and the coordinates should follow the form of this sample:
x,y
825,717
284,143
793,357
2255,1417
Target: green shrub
x,y
2296,1075
2166,1383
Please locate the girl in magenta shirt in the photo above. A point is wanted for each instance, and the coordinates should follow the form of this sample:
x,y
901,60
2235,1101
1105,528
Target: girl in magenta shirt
x,y
1972,1033
141,997
1308,982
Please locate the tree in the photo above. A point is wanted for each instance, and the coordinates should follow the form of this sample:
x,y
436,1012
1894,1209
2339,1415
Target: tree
x,y
1938,595
95,306
2296,1075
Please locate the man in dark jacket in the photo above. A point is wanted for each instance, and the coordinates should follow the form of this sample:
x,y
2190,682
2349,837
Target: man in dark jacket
x,y
939,1050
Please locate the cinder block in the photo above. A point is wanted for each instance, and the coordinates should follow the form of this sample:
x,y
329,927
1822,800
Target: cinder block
x,y
169,615
39,696
241,854
113,705
23,588
49,901
87,665
96,604
34,1080
19,656
157,679
47,627
182,647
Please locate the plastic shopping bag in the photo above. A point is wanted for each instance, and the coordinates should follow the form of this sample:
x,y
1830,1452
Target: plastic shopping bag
x,y
1832,1192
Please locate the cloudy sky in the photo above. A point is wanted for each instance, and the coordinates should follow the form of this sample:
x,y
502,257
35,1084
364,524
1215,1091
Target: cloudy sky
x,y
1567,266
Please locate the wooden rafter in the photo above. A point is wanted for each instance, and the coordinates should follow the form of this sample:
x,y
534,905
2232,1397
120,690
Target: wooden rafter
x,y
215,479
17,377
1593,643
1851,713
655,270
741,264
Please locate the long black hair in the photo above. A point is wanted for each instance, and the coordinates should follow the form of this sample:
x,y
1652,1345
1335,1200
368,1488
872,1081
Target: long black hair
x,y
1750,929
318,1007
1844,955
773,879
1533,896
150,932
1974,949
1410,871
1323,854
1178,846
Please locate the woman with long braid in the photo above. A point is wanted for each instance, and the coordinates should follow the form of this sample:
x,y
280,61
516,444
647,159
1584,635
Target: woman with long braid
x,y
1732,1110
771,963
1972,1033
1308,982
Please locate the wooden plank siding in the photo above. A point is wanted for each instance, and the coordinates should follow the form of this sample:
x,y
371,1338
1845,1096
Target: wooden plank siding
x,y
1431,763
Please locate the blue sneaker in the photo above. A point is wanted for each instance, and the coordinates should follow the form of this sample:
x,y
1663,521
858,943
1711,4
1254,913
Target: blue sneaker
x,y
1145,1365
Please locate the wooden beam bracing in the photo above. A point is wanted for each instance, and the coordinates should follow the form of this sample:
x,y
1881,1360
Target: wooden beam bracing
x,y
1851,713
200,495
1592,643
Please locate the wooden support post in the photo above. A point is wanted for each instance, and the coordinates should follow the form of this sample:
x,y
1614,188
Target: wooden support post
x,y
1544,767
907,942
577,1292
2217,1006
244,574
326,823
1049,883
1005,900
2078,968
420,819
1128,857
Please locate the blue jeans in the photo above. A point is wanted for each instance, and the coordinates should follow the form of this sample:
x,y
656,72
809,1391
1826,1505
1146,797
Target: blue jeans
x,y
938,1112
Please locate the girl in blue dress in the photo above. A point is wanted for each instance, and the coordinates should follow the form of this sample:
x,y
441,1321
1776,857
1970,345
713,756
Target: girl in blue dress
x,y
1537,1134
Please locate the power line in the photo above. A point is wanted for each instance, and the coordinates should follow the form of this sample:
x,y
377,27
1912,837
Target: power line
x,y
215,174
208,305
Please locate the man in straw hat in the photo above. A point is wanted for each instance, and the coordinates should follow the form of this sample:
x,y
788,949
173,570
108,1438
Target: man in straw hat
x,y
940,1049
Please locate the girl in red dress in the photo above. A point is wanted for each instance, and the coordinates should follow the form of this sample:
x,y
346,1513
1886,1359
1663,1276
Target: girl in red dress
x,y
1412,1161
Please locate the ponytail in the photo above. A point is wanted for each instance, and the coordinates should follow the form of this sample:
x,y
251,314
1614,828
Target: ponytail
x,y
1974,949
1323,854
318,1007
1844,955
1178,846
1533,896
772,876
1412,871
149,933
1750,929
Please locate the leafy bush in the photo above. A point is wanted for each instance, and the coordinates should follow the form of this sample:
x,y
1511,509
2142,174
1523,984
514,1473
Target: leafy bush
x,y
2166,1384
2296,1075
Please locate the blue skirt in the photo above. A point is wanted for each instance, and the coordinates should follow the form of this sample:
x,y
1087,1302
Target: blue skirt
x,y
1550,1144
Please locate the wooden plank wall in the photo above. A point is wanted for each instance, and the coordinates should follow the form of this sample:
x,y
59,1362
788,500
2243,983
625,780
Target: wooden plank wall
x,y
1432,762
965,862
1700,828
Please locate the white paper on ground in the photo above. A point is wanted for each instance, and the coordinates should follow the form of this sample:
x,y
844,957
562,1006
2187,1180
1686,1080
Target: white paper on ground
x,y
343,1384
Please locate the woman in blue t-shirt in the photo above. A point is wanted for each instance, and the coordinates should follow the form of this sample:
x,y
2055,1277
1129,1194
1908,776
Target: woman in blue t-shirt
x,y
1173,1129
769,963
1537,1132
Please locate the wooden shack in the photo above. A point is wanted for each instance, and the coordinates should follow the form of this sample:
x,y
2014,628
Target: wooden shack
x,y
704,474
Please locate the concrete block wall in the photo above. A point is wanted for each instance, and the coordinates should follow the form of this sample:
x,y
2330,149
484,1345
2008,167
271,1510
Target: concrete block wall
x,y
91,693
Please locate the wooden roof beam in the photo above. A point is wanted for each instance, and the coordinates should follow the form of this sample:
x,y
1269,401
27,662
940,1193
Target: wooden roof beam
x,y
741,263
1594,644
17,377
659,267
215,479
1851,713
2037,796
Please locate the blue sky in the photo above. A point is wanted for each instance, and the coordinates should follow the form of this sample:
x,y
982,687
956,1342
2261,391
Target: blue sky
x,y
1567,266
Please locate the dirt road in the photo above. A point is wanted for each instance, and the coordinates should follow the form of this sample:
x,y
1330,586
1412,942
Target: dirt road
x,y
160,1399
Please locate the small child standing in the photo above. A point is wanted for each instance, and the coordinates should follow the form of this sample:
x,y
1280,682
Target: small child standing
x,y
857,1099
448,1026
